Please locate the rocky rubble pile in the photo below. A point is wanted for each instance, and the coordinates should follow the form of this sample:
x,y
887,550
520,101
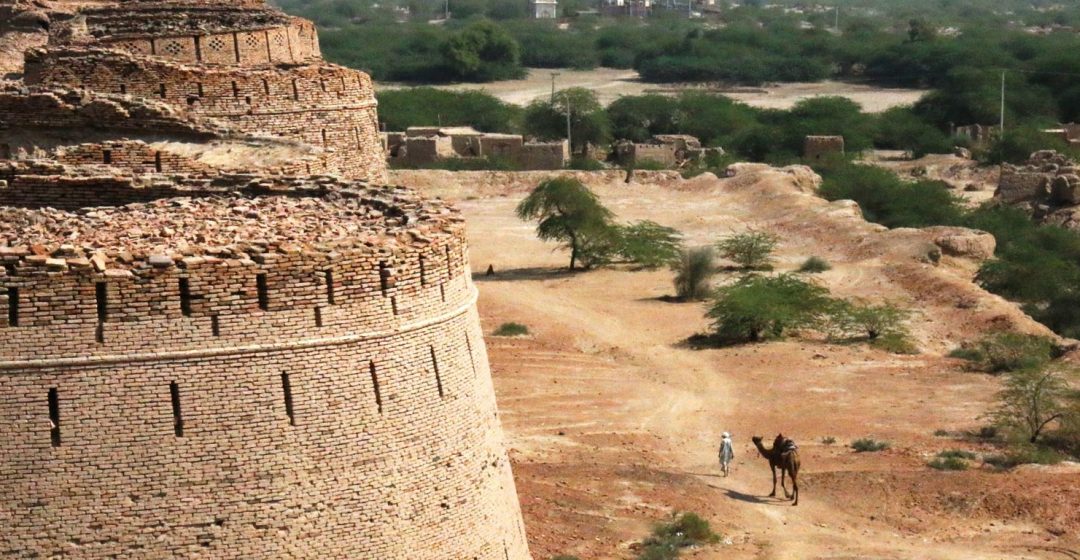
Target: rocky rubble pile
x,y
1047,185
284,219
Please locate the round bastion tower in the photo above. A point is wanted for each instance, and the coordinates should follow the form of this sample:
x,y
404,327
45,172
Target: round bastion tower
x,y
241,63
243,369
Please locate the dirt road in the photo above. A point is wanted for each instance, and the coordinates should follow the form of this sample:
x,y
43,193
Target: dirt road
x,y
610,84
614,420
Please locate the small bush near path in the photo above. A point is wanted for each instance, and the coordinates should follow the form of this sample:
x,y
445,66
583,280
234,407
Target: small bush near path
x,y
869,445
693,271
815,265
669,539
511,329
751,250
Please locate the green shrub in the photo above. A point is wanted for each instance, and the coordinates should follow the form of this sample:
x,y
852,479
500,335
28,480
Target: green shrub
x,y
424,106
668,539
650,165
815,265
1009,351
942,433
755,308
693,272
750,250
511,329
886,199
895,343
858,319
828,440
948,464
649,244
957,454
869,445
1025,455
567,211
970,354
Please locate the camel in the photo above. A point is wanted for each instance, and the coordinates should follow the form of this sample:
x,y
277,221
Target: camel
x,y
787,462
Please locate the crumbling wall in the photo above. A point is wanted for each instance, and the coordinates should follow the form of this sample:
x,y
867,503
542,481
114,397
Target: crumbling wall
x,y
544,155
818,147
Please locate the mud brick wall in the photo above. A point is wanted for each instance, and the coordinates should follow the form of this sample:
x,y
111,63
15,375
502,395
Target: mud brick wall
x,y
295,403
291,44
817,147
132,155
323,105
544,155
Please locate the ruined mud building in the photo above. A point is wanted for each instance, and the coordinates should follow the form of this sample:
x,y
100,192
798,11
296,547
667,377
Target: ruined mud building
x,y
1047,186
208,352
421,146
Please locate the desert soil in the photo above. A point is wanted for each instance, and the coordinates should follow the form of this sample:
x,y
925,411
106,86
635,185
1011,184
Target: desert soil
x,y
610,84
613,420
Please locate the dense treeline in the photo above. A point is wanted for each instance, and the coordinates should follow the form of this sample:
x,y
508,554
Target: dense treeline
x,y
745,132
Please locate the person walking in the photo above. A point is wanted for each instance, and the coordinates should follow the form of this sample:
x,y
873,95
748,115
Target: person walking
x,y
727,453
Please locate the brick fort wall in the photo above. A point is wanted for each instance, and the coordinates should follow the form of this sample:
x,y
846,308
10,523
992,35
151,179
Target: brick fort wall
x,y
319,390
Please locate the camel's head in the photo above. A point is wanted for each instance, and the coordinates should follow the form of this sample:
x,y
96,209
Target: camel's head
x,y
756,439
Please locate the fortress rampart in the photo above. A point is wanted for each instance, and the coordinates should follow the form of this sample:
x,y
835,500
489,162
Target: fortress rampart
x,y
231,367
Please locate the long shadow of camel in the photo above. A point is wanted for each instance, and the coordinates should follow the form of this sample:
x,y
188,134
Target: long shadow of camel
x,y
751,499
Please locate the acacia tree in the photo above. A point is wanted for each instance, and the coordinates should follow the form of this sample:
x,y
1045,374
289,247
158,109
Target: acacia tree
x,y
750,250
589,122
567,211
1032,400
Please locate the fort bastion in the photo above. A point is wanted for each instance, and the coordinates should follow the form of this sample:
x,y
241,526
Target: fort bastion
x,y
267,359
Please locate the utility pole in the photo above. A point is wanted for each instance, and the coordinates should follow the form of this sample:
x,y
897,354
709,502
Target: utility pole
x,y
569,141
1002,124
553,76
447,16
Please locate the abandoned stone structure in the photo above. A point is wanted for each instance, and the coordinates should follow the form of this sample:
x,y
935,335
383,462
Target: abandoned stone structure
x,y
424,145
818,147
1047,186
210,349
666,149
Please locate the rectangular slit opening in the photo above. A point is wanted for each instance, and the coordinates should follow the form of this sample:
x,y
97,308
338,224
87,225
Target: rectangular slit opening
x,y
384,278
178,418
438,374
54,416
295,91
101,293
472,359
318,317
215,325
375,385
235,89
161,90
286,388
99,333
442,292
393,304
199,88
449,264
106,157
157,162
423,271
264,296
13,307
330,287
185,297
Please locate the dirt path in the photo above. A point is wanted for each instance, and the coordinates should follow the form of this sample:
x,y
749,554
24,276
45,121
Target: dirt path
x,y
613,420
612,83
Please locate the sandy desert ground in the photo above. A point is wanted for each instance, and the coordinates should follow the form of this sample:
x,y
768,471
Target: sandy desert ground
x,y
611,83
613,419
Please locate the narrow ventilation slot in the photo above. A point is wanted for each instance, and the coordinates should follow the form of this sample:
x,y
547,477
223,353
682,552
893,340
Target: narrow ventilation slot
x,y
199,89
185,297
13,307
393,304
295,91
442,292
375,385
286,388
54,416
472,358
157,162
178,417
235,89
423,271
161,90
384,277
438,374
264,295
449,263
215,325
318,317
101,293
106,157
329,287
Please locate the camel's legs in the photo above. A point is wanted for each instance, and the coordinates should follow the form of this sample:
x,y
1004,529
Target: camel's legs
x,y
773,493
795,485
783,470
